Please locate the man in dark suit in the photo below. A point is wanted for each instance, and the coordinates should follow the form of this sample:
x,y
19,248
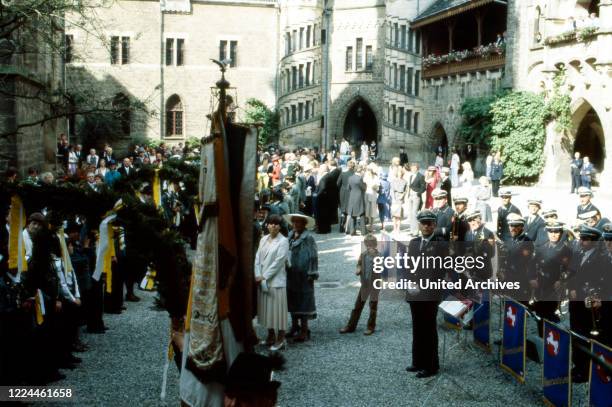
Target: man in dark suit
x,y
327,199
343,184
445,183
356,202
403,157
576,166
424,302
535,224
444,214
506,208
416,187
126,168
78,151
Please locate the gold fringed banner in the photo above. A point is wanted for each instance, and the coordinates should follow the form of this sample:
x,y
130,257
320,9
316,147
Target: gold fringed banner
x,y
108,259
156,189
39,307
196,210
65,254
17,221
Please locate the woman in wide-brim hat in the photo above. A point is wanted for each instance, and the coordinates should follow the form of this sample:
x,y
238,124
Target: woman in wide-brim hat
x,y
302,271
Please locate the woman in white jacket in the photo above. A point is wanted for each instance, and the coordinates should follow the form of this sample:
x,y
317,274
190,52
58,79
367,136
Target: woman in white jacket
x,y
271,279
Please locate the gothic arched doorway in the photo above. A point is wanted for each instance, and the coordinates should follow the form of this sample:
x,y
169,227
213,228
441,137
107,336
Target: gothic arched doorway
x,y
360,124
440,141
590,141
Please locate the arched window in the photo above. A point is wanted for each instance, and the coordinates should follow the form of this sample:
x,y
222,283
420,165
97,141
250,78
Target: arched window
x,y
174,116
121,104
537,33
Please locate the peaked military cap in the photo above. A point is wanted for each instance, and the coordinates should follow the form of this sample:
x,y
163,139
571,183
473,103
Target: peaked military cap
x,y
587,215
426,215
514,219
588,232
549,212
505,192
535,202
583,191
439,193
554,227
473,215
460,199
607,231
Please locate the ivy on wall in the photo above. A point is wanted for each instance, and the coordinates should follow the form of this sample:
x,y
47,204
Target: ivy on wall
x,y
514,123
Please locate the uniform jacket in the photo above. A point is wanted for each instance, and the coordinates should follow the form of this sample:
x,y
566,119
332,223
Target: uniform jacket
x,y
584,209
502,222
444,222
436,246
497,171
535,230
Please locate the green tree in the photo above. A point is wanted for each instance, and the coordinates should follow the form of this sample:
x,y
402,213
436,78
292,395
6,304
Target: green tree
x,y
258,113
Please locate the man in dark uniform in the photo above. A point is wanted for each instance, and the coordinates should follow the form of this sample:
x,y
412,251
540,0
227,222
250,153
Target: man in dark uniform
x,y
518,265
479,241
576,166
552,261
534,223
594,219
444,214
586,266
551,216
585,201
343,185
424,303
460,223
506,208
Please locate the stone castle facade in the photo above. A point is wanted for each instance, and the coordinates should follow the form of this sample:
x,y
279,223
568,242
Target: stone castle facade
x,y
392,71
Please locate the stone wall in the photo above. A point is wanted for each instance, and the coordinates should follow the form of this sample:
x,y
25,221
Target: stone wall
x,y
148,79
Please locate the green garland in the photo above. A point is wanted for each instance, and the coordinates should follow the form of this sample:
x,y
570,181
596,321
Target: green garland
x,y
149,234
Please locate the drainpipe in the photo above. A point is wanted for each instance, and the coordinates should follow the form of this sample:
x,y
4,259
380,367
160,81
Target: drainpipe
x,y
161,72
325,68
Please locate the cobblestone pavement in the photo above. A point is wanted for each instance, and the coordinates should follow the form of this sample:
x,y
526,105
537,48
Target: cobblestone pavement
x,y
124,366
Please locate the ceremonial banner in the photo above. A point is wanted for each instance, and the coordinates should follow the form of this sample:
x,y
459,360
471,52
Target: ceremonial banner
x,y
157,193
600,379
481,325
513,339
556,372
17,219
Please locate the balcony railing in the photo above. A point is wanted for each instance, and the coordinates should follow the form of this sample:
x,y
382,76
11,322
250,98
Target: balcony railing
x,y
470,64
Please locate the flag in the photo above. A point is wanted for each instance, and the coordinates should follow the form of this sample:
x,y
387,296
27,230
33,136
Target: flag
x,y
105,252
39,307
481,325
451,322
66,262
17,221
156,189
513,339
600,379
556,372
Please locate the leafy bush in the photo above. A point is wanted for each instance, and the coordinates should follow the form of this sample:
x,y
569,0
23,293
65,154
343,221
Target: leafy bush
x,y
518,122
258,112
